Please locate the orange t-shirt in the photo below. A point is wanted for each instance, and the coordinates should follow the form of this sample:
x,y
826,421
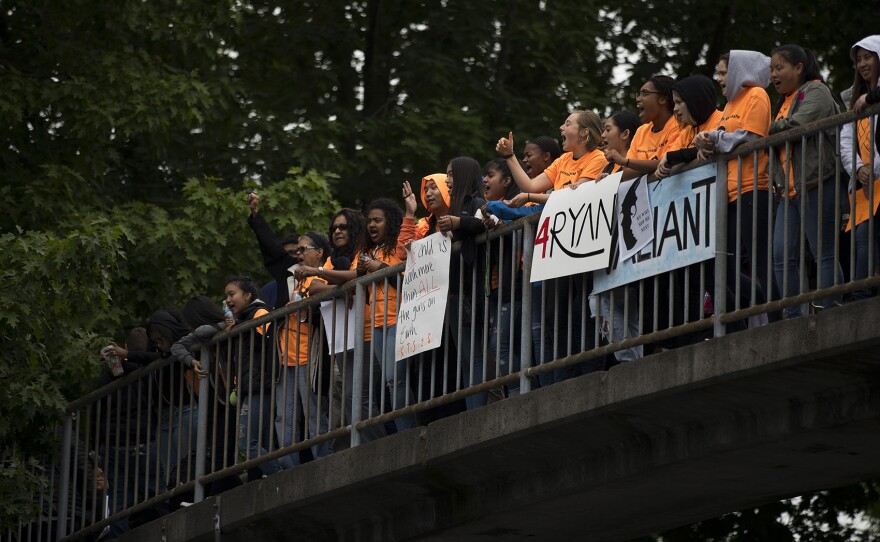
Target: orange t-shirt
x,y
750,111
379,296
861,214
783,112
688,133
650,145
566,170
295,341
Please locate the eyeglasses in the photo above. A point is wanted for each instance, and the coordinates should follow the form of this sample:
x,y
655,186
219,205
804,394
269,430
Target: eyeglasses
x,y
299,250
645,93
340,227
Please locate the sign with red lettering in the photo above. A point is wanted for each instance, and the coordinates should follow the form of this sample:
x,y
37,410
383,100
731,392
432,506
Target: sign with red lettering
x,y
575,231
423,294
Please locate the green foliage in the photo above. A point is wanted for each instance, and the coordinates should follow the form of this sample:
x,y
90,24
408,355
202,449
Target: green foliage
x,y
823,516
129,132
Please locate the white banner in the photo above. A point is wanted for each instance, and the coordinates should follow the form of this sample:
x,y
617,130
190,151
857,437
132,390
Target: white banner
x,y
575,230
635,218
423,294
339,329
684,229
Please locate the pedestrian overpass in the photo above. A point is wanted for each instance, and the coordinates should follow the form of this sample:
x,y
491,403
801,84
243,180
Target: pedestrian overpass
x,y
674,438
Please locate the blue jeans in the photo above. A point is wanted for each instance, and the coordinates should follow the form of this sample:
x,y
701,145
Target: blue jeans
x,y
864,267
318,411
254,429
785,266
292,400
499,339
369,409
177,440
393,374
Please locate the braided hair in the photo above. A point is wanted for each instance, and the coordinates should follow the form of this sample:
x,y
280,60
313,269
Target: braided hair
x,y
663,84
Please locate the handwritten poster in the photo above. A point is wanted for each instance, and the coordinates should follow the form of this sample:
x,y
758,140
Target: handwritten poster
x,y
683,225
423,294
575,231
635,219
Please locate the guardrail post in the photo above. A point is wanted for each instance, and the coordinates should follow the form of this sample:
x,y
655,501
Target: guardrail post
x,y
202,427
357,379
64,483
525,355
719,296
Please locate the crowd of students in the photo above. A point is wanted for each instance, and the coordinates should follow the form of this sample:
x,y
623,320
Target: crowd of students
x,y
677,123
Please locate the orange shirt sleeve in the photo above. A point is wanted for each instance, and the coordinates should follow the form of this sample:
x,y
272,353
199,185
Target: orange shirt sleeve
x,y
407,235
262,329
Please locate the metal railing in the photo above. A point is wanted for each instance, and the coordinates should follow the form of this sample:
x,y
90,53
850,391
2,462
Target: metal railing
x,y
159,441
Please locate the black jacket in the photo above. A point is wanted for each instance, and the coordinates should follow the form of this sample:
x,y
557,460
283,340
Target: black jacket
x,y
471,254
253,359
276,260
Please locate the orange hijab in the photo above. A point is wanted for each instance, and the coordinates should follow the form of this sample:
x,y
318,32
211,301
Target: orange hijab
x,y
440,180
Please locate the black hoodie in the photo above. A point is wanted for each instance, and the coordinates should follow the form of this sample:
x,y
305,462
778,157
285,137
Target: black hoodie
x,y
171,383
698,94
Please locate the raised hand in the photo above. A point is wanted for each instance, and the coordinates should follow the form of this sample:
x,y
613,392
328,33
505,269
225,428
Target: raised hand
x,y
409,200
505,145
254,202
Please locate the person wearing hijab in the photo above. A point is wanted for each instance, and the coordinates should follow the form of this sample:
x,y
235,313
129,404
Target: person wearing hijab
x,y
693,100
861,160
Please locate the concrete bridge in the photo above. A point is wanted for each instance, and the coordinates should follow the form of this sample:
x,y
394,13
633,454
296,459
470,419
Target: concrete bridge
x,y
668,440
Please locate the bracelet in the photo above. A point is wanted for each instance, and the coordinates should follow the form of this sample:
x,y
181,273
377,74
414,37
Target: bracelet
x,y
321,272
528,197
627,163
506,156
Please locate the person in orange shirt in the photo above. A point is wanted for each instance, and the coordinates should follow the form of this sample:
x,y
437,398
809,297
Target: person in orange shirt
x,y
435,198
538,154
862,161
658,131
804,170
384,219
693,101
348,232
618,133
742,76
582,159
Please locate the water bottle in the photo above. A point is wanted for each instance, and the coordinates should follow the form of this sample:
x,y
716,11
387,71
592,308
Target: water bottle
x,y
227,312
296,298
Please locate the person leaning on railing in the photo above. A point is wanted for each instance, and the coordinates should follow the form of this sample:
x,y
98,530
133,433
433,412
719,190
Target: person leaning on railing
x,y
505,273
803,171
464,181
253,374
861,160
742,76
347,233
582,160
178,410
384,218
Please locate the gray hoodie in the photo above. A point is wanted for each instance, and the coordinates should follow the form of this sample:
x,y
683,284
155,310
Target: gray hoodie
x,y
849,151
745,69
